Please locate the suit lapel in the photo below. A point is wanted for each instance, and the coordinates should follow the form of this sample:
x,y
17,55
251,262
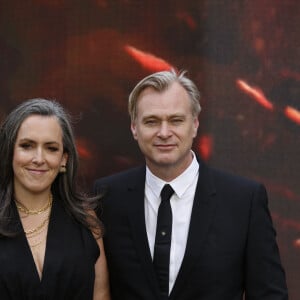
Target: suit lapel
x,y
201,218
136,192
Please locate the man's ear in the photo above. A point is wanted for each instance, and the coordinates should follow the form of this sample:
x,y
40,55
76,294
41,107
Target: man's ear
x,y
196,126
133,130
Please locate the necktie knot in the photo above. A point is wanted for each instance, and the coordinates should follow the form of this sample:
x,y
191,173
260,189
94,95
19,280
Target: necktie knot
x,y
166,192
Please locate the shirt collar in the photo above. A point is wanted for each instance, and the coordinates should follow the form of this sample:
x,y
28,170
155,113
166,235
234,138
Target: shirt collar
x,y
179,184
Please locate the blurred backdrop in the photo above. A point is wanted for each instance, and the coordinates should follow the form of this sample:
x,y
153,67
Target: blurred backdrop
x,y
243,55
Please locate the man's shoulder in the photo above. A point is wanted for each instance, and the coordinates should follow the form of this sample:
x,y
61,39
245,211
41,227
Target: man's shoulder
x,y
234,189
230,178
122,176
115,186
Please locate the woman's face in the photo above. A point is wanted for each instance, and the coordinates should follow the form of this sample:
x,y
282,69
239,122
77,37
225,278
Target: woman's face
x,y
38,154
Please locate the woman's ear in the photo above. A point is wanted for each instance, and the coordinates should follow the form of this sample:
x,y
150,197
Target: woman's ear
x,y
64,159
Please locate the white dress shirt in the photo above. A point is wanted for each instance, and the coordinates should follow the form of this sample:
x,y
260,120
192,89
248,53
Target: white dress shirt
x,y
184,187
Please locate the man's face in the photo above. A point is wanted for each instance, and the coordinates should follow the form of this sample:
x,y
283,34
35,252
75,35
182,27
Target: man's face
x,y
165,128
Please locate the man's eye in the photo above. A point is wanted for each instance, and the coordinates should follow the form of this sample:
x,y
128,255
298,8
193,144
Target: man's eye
x,y
150,122
176,121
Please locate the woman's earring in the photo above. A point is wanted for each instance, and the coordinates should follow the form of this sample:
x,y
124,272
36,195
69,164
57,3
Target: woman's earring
x,y
63,169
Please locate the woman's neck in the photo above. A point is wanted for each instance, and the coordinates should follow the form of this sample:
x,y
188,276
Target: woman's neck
x,y
33,201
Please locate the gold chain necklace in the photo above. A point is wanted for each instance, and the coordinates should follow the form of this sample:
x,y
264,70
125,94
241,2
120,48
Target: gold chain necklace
x,y
27,211
37,243
36,234
33,230
37,238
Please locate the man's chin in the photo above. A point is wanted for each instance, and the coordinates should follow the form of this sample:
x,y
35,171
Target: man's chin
x,y
164,162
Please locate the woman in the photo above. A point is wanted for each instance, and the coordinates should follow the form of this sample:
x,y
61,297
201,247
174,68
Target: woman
x,y
50,242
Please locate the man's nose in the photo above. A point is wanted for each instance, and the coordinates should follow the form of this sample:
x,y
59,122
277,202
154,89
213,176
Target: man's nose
x,y
164,130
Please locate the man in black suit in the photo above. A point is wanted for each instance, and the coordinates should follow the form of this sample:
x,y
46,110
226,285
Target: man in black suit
x,y
212,240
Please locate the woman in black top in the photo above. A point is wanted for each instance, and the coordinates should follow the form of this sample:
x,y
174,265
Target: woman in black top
x,y
50,241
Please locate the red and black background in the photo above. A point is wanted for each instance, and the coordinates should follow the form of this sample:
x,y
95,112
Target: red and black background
x,y
243,55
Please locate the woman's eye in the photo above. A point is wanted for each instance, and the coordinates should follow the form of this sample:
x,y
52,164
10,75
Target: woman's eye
x,y
53,149
25,145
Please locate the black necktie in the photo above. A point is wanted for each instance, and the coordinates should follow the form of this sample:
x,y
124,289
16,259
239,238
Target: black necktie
x,y
161,258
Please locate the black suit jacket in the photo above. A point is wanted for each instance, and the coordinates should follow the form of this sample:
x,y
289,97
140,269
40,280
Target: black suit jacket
x,y
231,247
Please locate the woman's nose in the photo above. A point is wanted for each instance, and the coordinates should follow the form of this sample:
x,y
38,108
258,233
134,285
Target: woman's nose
x,y
38,157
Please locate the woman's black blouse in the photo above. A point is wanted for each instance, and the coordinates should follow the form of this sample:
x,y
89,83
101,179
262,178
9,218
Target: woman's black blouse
x,y
69,264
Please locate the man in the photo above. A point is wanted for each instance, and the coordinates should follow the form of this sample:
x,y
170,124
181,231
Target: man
x,y
223,244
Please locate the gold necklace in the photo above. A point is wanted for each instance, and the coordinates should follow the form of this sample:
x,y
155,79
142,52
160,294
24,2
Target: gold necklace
x,y
37,244
36,234
27,211
33,230
35,237
44,222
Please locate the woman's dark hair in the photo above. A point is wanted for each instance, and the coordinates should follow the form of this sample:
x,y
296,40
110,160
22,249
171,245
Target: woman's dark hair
x,y
64,187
